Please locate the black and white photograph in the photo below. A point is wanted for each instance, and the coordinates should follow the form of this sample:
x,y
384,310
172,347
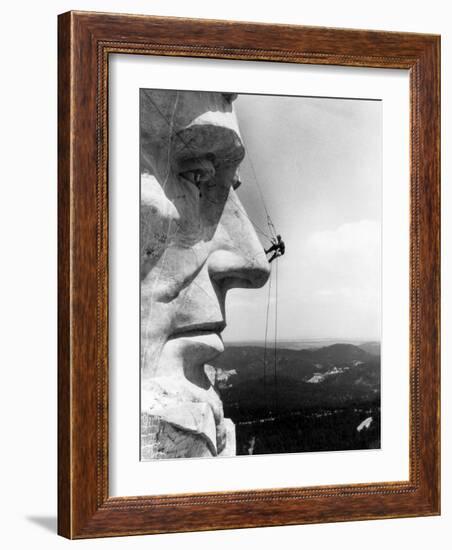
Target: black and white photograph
x,y
260,269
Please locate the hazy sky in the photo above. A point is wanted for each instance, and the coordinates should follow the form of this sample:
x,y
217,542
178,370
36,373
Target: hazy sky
x,y
318,163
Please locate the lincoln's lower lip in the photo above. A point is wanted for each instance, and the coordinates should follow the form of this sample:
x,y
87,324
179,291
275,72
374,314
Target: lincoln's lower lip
x,y
199,345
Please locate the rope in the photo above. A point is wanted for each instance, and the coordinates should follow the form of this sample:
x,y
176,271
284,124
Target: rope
x,y
271,226
266,332
239,206
276,337
258,229
256,182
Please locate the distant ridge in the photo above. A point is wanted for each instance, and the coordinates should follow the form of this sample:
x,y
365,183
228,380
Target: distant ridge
x,y
371,346
333,375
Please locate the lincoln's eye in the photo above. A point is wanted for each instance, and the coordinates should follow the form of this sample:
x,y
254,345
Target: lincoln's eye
x,y
197,171
197,177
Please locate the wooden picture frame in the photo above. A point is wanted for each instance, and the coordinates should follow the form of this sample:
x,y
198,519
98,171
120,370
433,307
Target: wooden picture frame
x,y
85,42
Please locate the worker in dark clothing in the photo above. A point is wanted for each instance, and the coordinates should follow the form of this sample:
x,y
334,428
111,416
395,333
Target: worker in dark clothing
x,y
278,247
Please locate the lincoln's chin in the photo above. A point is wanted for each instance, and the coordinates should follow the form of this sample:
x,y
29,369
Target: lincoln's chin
x,y
182,414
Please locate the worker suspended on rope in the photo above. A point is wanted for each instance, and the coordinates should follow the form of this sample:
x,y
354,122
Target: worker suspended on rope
x,y
278,247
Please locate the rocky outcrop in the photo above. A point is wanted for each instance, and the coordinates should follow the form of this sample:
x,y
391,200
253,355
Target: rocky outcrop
x,y
162,439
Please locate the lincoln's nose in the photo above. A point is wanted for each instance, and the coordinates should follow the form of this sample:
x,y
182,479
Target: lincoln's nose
x,y
233,269
238,259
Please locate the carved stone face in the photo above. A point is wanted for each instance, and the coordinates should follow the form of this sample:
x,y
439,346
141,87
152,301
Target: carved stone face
x,y
196,243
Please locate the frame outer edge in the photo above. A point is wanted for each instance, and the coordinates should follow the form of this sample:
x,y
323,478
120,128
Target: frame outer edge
x,y
64,276
426,235
432,243
438,175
